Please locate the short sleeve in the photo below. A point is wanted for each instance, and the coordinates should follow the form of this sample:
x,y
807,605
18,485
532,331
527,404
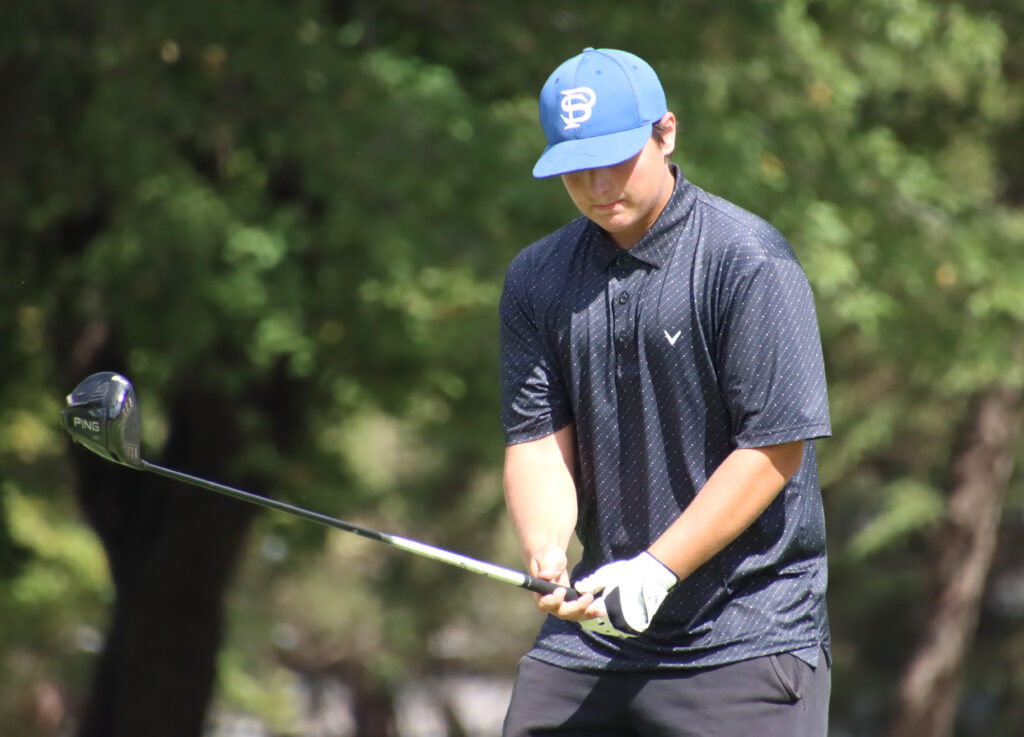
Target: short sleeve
x,y
534,403
771,368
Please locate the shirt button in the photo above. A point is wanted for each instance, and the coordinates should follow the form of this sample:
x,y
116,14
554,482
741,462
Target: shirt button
x,y
624,298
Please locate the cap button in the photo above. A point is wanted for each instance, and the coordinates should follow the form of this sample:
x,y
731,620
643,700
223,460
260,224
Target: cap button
x,y
589,48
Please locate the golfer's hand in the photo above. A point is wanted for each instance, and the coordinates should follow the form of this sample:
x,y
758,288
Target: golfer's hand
x,y
631,592
551,564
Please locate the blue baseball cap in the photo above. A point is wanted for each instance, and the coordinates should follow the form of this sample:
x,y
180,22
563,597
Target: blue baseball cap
x,y
596,110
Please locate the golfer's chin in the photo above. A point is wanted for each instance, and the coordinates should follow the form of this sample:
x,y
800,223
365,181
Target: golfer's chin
x,y
618,224
609,218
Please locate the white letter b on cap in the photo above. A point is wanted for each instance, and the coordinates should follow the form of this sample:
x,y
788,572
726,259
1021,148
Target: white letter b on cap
x,y
578,105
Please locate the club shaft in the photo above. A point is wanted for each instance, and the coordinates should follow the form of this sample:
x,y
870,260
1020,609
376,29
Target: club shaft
x,y
499,573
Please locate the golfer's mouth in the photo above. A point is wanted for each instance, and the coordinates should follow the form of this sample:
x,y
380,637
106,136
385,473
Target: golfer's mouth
x,y
608,207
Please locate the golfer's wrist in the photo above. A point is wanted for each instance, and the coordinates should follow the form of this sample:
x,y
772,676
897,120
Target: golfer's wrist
x,y
673,557
546,560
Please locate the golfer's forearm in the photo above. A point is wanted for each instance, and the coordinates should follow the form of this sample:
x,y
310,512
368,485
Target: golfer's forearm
x,y
737,493
540,492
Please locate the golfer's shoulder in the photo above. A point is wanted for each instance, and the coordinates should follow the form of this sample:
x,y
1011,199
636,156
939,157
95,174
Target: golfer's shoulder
x,y
551,255
730,230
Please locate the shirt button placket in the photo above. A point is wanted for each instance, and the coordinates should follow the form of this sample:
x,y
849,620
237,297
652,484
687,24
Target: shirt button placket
x,y
621,326
621,322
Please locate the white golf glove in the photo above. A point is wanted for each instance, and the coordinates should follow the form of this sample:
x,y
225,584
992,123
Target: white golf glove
x,y
632,591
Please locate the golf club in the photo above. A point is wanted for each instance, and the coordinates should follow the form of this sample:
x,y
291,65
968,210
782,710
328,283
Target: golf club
x,y
103,415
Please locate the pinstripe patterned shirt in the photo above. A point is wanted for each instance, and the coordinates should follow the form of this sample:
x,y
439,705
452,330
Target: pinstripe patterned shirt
x,y
700,339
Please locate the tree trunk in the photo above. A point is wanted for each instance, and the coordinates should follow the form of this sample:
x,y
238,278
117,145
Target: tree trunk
x,y
171,550
930,688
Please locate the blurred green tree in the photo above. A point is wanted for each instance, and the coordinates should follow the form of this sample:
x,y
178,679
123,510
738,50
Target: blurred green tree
x,y
287,224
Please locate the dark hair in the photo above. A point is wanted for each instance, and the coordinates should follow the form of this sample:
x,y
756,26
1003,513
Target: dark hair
x,y
658,131
658,134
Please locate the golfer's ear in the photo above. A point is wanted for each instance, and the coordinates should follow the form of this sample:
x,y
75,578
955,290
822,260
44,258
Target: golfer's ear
x,y
668,133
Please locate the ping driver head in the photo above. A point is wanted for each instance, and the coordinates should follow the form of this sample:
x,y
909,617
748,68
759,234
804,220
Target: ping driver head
x,y
102,415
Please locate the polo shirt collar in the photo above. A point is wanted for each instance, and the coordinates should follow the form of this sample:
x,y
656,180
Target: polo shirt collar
x,y
652,248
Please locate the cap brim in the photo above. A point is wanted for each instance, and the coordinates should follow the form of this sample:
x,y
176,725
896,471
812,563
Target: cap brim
x,y
591,153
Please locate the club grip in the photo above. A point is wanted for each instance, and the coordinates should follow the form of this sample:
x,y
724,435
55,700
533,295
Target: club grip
x,y
540,586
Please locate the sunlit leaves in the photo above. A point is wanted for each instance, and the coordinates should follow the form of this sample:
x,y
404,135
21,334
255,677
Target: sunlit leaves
x,y
909,507
234,191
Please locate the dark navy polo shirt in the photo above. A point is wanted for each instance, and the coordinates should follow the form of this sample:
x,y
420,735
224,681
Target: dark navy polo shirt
x,y
700,339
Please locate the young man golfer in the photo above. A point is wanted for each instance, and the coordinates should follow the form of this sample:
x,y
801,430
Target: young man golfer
x,y
662,387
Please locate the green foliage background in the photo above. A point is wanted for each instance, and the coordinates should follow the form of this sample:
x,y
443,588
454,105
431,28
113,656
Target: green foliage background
x,y
332,191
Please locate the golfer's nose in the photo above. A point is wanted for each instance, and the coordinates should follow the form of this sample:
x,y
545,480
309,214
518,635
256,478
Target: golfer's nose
x,y
600,181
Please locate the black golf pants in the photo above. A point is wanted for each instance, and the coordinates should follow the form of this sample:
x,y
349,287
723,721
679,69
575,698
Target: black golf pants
x,y
772,696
